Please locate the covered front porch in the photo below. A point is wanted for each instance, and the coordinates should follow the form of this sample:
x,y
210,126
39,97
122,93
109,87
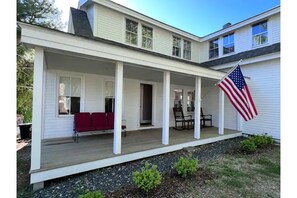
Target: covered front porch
x,y
62,156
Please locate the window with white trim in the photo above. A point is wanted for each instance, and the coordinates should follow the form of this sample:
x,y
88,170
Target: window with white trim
x,y
131,32
214,48
190,101
176,48
187,49
69,95
178,98
147,37
260,33
228,44
109,96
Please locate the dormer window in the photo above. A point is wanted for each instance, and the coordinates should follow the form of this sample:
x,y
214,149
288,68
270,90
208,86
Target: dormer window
x,y
131,32
176,48
228,44
214,48
147,37
260,33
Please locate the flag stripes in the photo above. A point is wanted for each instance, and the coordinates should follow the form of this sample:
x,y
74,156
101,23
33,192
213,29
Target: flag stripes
x,y
234,86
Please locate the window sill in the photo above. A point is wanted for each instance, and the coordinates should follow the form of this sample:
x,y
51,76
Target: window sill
x,y
259,46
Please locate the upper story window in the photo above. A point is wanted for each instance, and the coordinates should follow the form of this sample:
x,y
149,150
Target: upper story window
x,y
131,32
187,49
147,37
69,95
214,48
228,44
176,48
260,33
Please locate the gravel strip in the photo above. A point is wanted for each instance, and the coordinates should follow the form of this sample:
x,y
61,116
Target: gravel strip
x,y
112,178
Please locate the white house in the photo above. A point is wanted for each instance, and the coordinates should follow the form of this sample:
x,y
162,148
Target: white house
x,y
116,59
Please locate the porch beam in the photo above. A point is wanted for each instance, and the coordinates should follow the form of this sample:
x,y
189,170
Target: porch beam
x,y
166,106
117,141
37,113
221,112
198,106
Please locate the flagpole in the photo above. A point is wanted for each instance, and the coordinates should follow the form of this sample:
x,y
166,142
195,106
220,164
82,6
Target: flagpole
x,y
231,70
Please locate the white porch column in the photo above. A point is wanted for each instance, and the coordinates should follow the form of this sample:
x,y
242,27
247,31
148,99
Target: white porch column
x,y
221,112
166,106
117,140
197,107
37,113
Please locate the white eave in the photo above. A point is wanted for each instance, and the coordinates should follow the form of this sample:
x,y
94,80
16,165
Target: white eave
x,y
248,21
61,41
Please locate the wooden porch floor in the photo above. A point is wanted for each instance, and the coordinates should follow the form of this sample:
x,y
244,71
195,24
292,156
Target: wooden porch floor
x,y
58,153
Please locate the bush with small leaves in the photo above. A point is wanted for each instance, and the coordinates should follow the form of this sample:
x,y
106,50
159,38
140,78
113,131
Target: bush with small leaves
x,y
248,145
148,178
186,165
96,194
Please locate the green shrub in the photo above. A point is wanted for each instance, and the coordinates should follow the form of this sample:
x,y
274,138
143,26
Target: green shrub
x,y
148,178
248,145
262,140
96,194
186,165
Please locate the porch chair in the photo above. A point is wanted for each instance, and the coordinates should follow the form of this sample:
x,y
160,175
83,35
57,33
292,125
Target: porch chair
x,y
99,120
180,118
82,123
110,123
204,118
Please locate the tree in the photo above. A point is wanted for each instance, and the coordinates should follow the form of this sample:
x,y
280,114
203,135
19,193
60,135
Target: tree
x,y
41,13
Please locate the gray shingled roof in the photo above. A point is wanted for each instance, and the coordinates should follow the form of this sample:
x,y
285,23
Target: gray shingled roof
x,y
82,28
243,55
81,23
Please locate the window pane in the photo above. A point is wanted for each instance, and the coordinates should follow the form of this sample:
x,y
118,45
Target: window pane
x,y
257,40
75,105
178,98
64,105
64,86
75,87
109,89
264,38
190,101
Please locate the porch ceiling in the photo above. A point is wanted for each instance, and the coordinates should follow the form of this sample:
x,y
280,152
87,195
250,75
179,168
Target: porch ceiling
x,y
84,64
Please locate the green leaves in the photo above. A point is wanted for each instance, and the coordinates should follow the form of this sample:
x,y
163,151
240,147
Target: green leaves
x,y
186,166
148,178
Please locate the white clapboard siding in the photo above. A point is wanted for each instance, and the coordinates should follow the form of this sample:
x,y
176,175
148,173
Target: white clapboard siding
x,y
265,90
243,38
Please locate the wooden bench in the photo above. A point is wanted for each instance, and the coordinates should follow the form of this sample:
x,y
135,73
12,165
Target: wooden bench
x,y
97,121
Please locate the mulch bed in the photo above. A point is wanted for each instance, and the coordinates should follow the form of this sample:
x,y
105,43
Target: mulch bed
x,y
116,181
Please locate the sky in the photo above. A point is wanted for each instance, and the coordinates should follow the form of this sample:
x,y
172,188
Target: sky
x,y
199,17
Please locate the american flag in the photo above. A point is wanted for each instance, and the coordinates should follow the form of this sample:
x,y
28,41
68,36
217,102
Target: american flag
x,y
236,89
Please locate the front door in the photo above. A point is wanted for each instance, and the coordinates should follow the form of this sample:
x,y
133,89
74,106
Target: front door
x,y
146,94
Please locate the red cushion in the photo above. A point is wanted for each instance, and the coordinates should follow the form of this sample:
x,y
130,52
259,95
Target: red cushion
x,y
99,120
110,120
82,120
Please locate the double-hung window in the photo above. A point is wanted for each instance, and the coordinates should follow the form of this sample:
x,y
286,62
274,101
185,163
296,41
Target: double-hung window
x,y
214,48
187,49
178,98
147,37
131,32
190,101
260,33
176,48
228,44
69,95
